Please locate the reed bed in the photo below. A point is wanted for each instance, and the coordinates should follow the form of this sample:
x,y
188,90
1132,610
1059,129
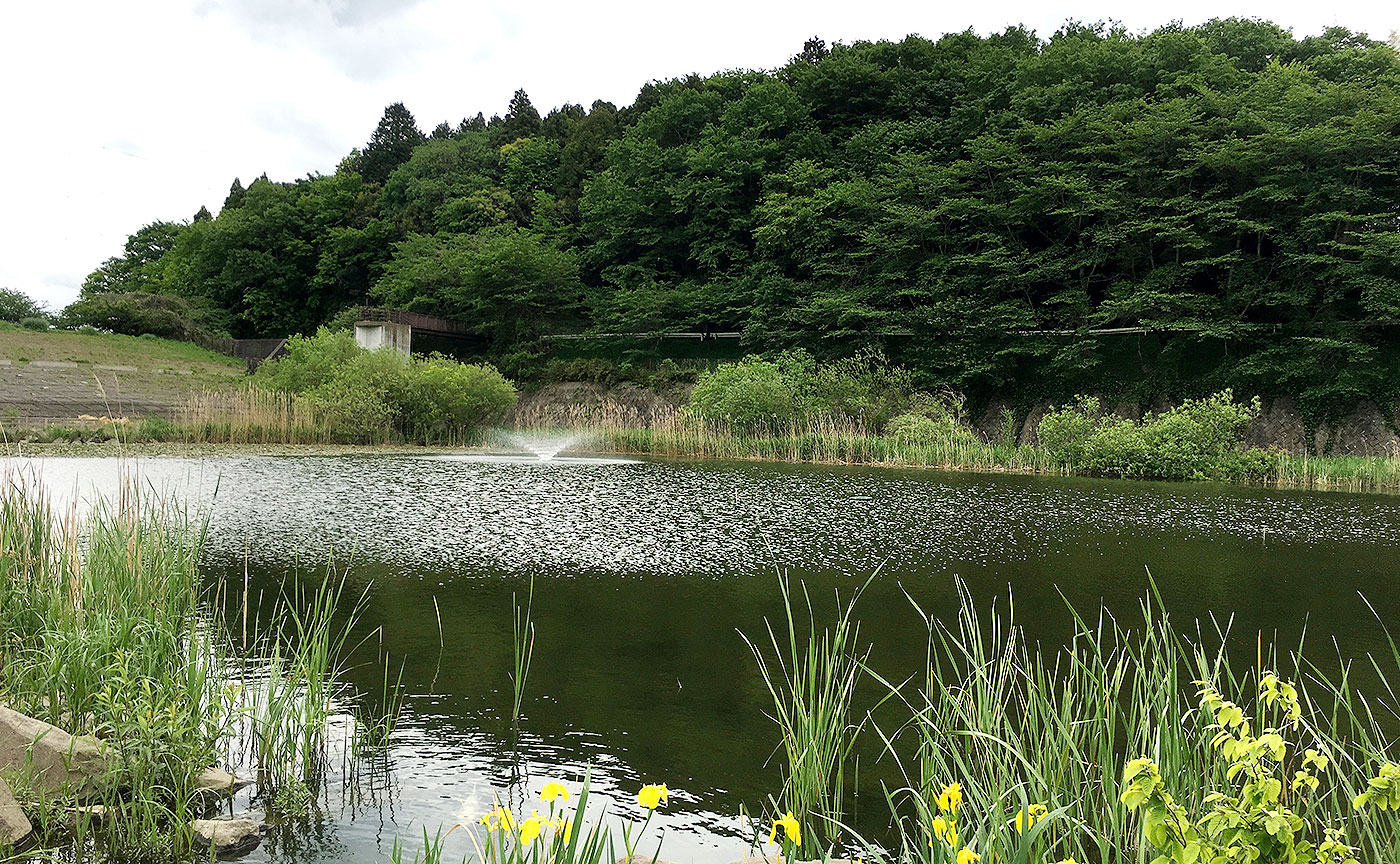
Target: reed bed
x,y
252,416
679,433
1024,729
108,630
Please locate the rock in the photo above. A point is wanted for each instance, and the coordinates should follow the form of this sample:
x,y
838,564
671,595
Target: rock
x,y
90,816
228,837
14,827
219,782
59,762
641,859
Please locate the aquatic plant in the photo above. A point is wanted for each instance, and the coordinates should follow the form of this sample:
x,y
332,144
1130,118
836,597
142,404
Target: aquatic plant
x,y
811,677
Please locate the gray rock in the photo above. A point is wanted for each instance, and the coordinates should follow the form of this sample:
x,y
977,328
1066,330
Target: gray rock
x,y
217,780
229,838
641,859
94,815
59,763
14,827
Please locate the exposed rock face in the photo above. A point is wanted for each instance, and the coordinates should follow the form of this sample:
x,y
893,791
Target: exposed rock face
x,y
14,827
59,762
569,403
229,838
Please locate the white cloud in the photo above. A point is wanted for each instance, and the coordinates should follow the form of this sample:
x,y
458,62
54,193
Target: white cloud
x,y
119,114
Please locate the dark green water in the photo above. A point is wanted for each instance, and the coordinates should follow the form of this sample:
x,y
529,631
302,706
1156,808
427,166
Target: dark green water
x,y
646,573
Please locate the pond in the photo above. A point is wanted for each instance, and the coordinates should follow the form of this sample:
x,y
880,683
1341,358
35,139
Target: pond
x,y
645,574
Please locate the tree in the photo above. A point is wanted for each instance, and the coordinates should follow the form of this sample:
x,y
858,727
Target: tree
x,y
235,195
521,120
508,285
15,306
390,145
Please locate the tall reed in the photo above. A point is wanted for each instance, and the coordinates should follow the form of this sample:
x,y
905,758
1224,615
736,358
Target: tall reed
x,y
107,629
811,677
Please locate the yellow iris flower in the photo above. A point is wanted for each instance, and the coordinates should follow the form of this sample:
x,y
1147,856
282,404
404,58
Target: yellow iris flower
x,y
950,799
530,828
791,830
652,797
553,790
498,819
564,828
1029,817
945,831
967,856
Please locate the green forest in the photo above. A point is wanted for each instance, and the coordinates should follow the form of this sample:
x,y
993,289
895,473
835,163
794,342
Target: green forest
x,y
1141,214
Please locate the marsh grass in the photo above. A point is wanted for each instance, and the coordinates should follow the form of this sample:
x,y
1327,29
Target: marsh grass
x,y
1017,725
811,676
106,630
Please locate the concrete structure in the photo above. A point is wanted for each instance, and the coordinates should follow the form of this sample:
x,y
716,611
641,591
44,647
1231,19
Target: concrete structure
x,y
384,334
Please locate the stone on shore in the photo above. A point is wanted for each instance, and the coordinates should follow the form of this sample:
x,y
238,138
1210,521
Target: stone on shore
x,y
641,859
215,783
229,838
58,762
14,827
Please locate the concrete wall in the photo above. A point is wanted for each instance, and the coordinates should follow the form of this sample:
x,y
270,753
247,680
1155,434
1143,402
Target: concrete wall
x,y
372,335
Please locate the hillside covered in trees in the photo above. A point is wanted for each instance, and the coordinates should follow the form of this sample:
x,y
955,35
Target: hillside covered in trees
x,y
981,209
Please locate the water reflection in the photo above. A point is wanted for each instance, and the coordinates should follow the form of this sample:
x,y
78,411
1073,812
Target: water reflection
x,y
645,571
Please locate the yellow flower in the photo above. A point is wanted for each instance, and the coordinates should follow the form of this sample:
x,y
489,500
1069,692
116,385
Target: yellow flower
x,y
1029,817
967,856
563,828
791,830
1067,861
652,796
945,831
530,828
553,790
950,799
498,819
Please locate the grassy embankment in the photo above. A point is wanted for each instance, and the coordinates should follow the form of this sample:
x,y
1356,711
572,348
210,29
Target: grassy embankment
x,y
843,444
206,404
108,632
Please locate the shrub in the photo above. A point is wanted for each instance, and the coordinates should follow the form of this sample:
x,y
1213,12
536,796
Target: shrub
x,y
1200,439
310,362
865,389
440,395
138,314
367,396
750,395
35,322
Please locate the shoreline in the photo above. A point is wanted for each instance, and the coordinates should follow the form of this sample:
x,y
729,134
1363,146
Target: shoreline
x,y
1311,472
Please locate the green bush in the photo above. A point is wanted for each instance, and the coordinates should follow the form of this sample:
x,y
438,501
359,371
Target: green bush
x,y
751,395
310,362
35,322
139,314
370,396
1198,440
934,423
440,396
865,389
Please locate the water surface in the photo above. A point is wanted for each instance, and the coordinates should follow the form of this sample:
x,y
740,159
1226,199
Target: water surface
x,y
646,572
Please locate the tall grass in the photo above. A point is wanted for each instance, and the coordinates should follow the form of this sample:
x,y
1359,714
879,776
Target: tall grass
x,y
107,630
811,677
1014,724
828,440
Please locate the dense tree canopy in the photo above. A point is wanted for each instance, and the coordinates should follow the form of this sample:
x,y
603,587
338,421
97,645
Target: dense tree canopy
x,y
980,208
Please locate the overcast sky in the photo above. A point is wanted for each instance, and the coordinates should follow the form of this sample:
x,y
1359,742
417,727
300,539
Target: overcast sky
x,y
121,113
